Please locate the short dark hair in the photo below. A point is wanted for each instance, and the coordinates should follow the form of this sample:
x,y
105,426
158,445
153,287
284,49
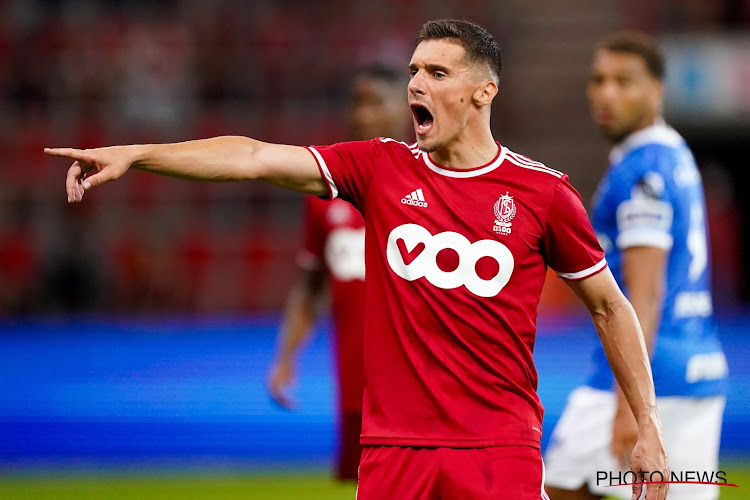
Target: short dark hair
x,y
476,41
638,44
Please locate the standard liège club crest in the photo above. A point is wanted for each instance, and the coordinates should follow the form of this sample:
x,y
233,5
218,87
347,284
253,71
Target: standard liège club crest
x,y
505,210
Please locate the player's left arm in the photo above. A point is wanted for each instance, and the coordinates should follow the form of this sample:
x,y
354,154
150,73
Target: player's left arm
x,y
622,339
643,269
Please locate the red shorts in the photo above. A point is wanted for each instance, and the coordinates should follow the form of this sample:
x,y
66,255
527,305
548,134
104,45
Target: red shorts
x,y
350,451
405,473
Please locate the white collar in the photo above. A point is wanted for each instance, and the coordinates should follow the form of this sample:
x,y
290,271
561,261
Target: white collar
x,y
472,172
658,133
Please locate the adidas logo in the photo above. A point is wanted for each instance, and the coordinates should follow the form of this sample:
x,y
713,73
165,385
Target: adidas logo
x,y
415,198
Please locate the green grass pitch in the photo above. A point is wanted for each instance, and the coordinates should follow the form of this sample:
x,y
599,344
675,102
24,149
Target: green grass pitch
x,y
280,486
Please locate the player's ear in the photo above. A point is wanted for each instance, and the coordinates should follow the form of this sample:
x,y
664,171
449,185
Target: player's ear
x,y
484,93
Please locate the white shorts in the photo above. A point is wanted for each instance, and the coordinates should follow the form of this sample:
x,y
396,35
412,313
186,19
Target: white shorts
x,y
580,443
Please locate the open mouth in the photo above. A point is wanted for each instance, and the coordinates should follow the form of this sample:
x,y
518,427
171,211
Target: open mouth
x,y
422,118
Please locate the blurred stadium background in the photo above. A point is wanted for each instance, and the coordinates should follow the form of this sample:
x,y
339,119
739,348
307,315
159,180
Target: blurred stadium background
x,y
136,328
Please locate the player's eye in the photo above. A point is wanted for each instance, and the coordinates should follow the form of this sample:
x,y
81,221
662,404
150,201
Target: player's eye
x,y
439,75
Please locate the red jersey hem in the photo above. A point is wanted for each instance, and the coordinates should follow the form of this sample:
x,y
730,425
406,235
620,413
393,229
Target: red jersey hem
x,y
448,443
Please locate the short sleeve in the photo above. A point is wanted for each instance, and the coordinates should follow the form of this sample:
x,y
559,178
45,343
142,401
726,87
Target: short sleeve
x,y
311,255
570,245
644,212
347,168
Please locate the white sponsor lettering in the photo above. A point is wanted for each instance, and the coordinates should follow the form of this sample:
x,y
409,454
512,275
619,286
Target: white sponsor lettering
x,y
693,304
416,203
424,247
345,253
702,367
415,198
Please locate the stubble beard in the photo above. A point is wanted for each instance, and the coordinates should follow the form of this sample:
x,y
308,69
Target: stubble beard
x,y
430,148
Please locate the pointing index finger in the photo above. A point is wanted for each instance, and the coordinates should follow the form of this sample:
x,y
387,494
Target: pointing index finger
x,y
75,154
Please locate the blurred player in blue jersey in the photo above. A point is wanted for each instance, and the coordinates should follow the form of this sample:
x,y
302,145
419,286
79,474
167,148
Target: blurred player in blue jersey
x,y
650,217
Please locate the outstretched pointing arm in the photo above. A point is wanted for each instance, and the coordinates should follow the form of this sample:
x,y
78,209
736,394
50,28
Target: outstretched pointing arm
x,y
220,159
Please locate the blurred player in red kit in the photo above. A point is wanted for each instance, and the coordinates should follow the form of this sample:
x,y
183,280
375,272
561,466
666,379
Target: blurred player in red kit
x,y
333,259
459,233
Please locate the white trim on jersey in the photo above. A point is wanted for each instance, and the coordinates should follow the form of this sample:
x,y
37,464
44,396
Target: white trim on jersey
x,y
326,173
523,162
412,147
658,133
644,238
528,161
585,273
544,478
463,174
389,139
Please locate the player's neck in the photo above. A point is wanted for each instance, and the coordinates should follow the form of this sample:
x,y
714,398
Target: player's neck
x,y
648,121
467,151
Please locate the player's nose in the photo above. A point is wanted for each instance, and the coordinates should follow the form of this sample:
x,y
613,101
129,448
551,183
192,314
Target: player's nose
x,y
416,83
608,91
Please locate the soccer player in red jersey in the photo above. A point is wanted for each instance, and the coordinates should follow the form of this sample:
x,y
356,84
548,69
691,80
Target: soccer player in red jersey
x,y
333,259
459,233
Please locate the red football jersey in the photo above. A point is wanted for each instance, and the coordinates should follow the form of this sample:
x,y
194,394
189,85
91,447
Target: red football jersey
x,y
335,242
456,261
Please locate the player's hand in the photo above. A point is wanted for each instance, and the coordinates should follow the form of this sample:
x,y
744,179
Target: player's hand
x,y
92,167
624,433
650,457
279,380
